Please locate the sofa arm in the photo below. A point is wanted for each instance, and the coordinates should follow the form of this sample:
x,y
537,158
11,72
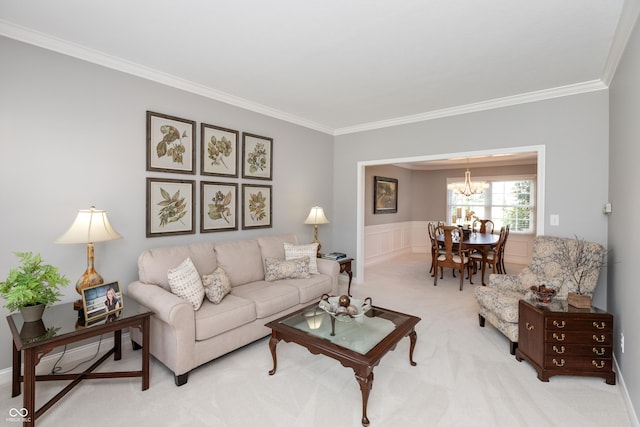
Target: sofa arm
x,y
166,306
331,269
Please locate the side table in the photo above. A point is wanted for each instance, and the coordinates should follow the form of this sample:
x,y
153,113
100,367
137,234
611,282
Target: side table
x,y
60,326
345,267
558,339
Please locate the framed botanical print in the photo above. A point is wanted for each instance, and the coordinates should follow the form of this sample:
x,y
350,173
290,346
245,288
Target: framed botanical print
x,y
256,206
257,156
385,195
218,206
171,144
219,151
170,207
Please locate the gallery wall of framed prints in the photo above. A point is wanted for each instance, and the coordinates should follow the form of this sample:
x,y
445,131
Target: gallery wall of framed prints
x,y
226,202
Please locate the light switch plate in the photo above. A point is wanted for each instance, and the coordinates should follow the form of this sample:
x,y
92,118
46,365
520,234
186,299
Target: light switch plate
x,y
554,219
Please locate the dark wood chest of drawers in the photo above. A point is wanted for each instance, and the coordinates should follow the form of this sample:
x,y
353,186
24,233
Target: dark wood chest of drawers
x,y
558,339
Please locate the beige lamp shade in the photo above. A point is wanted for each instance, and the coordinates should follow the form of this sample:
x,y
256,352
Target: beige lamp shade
x,y
316,216
90,226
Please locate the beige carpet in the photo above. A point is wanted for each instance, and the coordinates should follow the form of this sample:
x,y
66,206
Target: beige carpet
x,y
465,377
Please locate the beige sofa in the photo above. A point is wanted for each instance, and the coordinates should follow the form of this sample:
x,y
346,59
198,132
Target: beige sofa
x,y
183,339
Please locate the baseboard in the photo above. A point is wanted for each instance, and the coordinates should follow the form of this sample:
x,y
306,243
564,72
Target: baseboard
x,y
633,417
71,357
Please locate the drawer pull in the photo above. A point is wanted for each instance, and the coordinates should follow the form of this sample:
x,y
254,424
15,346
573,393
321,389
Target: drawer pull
x,y
598,365
561,349
561,362
602,338
599,353
562,325
600,325
561,337
529,326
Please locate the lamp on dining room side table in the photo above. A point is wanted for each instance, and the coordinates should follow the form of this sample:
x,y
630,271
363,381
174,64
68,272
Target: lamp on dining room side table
x,y
316,217
90,226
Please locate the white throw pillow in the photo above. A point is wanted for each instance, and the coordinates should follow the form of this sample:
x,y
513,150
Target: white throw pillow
x,y
216,285
185,282
299,251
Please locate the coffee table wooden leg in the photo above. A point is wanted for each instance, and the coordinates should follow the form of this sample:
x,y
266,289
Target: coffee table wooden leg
x,y
273,342
413,337
365,387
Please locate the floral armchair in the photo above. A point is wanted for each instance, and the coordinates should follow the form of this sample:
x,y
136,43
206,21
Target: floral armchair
x,y
566,265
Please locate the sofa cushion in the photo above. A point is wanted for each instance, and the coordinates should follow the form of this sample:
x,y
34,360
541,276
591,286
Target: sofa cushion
x,y
215,319
216,285
269,297
153,264
313,288
503,304
276,269
185,282
299,251
273,246
241,260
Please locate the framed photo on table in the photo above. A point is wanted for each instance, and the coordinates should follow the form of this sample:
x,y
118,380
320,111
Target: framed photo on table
x,y
102,301
257,156
171,144
256,206
218,202
385,195
170,207
219,151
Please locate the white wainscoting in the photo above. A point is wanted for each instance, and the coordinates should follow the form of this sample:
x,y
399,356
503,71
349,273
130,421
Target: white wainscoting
x,y
386,241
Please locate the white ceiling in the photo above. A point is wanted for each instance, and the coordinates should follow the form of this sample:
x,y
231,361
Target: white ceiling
x,y
341,66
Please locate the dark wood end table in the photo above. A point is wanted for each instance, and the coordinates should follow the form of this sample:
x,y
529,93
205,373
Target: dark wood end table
x,y
60,326
345,267
359,344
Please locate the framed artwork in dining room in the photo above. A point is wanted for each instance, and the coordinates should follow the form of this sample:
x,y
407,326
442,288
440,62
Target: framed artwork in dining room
x,y
219,151
256,206
218,202
385,195
170,207
171,144
257,156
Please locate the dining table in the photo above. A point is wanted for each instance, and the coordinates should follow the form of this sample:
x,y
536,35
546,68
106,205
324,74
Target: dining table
x,y
482,242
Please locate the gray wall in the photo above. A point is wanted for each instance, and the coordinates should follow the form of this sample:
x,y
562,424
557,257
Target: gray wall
x,y
73,135
573,129
624,231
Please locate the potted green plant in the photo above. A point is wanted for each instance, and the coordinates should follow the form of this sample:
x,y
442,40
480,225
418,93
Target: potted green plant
x,y
32,286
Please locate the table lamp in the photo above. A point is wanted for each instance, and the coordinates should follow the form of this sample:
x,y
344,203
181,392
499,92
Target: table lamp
x,y
316,216
90,226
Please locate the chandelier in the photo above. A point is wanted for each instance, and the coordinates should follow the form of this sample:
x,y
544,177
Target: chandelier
x,y
468,189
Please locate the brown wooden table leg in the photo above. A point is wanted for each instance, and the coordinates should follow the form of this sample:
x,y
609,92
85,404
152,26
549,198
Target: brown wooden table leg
x,y
15,377
29,399
273,342
366,384
117,344
413,337
146,322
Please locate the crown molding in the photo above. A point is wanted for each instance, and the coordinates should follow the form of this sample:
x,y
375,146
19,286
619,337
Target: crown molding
x,y
628,18
507,101
84,53
45,41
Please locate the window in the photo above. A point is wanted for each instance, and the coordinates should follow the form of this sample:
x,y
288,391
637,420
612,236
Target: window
x,y
507,201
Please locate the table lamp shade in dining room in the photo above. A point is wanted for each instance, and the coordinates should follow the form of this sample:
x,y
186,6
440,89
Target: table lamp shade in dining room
x,y
90,226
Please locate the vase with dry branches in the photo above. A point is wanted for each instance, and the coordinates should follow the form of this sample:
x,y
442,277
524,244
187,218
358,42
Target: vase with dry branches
x,y
583,261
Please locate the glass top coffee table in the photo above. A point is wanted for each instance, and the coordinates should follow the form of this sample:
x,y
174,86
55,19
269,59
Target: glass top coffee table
x,y
358,343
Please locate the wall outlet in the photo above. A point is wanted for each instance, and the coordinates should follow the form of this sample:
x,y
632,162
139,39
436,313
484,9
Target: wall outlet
x,y
621,342
554,219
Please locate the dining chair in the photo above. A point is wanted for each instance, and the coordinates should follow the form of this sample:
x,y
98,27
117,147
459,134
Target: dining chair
x,y
484,226
454,255
492,257
435,245
501,267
